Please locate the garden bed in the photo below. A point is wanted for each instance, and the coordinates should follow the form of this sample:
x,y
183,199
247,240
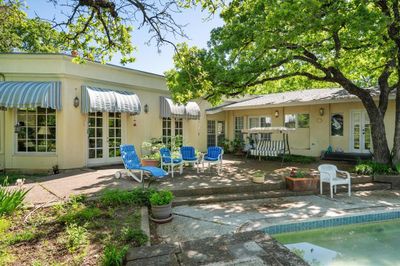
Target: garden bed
x,y
78,232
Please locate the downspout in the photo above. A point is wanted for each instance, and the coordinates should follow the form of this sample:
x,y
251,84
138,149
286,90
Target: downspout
x,y
2,132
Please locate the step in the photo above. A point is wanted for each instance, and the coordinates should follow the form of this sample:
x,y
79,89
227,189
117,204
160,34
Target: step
x,y
238,188
224,197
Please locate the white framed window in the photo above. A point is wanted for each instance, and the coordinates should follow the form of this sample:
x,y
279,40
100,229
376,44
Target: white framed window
x,y
211,133
297,120
260,121
239,125
37,130
171,128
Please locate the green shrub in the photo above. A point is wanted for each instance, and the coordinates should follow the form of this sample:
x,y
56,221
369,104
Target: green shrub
x,y
24,236
76,237
11,199
161,197
295,159
114,256
370,167
80,215
115,197
129,235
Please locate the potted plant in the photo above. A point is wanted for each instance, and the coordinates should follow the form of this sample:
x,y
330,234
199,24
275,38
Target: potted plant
x,y
237,146
161,206
259,177
150,152
301,181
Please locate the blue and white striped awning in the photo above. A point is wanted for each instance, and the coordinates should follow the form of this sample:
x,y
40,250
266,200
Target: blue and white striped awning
x,y
169,109
106,100
30,94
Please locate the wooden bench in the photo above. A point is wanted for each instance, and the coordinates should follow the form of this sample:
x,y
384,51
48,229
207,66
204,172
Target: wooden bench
x,y
271,148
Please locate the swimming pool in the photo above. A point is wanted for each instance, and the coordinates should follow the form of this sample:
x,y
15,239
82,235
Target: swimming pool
x,y
373,243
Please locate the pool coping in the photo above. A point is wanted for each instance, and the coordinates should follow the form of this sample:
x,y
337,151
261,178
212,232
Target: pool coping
x,y
319,223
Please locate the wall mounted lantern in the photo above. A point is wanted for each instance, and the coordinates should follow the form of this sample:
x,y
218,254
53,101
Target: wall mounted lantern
x,y
76,102
276,113
146,108
321,111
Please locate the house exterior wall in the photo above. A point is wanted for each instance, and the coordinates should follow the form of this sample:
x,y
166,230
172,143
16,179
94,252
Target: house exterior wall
x,y
317,137
71,139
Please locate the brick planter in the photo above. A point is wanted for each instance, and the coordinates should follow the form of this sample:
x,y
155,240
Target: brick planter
x,y
302,184
150,162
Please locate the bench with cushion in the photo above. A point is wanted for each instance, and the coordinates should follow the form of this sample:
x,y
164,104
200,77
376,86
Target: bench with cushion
x,y
272,148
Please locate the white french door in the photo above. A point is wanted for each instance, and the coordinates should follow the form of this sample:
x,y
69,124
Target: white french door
x,y
360,134
104,138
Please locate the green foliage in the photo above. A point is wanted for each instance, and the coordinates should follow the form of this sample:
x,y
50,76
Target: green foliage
x,y
113,255
80,215
24,236
259,174
77,236
151,149
224,144
135,235
268,46
11,199
161,197
115,197
370,168
237,144
300,174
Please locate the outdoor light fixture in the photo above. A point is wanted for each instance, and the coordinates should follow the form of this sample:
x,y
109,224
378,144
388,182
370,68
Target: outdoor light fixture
x,y
321,111
76,102
276,113
146,108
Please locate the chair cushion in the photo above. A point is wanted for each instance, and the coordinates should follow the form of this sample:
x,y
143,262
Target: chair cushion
x,y
175,160
155,171
190,159
207,158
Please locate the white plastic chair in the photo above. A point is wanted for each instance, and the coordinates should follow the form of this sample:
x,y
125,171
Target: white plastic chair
x,y
328,174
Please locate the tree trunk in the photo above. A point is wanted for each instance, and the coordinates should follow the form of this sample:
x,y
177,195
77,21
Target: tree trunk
x,y
396,141
378,133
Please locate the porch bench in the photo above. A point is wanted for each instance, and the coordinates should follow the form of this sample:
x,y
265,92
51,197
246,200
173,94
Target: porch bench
x,y
271,148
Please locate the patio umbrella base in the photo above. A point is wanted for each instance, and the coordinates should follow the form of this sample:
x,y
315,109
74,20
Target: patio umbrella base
x,y
162,221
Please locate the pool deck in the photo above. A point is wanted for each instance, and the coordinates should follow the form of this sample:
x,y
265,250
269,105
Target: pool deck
x,y
208,220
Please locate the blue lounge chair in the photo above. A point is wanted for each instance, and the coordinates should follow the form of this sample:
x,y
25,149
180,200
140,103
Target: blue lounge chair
x,y
170,162
213,156
132,163
189,156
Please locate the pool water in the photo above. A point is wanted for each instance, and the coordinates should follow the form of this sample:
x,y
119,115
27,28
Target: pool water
x,y
360,244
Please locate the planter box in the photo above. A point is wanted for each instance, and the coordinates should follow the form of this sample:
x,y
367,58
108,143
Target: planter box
x,y
150,162
259,179
161,212
302,184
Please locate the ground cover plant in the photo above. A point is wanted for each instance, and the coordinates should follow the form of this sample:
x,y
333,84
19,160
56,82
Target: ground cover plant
x,y
370,168
76,232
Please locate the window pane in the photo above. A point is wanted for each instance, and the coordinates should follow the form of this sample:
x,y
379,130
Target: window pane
x,y
39,135
92,153
303,120
253,122
266,121
290,121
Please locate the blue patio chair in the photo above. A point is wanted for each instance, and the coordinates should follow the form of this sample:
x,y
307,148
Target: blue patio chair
x,y
189,156
170,162
132,163
213,156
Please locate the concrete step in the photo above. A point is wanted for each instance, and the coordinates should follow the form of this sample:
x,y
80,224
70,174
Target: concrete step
x,y
247,188
224,197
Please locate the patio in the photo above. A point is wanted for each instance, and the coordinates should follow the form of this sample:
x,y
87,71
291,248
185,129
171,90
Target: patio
x,y
235,182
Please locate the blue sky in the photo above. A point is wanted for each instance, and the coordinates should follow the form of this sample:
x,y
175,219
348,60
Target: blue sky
x,y
148,58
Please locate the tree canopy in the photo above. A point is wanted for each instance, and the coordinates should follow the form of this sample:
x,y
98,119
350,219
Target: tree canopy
x,y
270,45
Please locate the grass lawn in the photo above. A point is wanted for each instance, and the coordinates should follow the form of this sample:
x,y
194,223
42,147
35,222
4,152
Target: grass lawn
x,y
78,232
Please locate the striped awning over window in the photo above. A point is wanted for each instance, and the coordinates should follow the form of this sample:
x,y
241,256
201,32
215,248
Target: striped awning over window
x,y
105,100
30,94
169,109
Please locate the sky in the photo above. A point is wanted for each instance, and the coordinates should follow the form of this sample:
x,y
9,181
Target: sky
x,y
148,58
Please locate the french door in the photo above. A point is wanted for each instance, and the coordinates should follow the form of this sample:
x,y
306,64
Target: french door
x,y
104,138
360,135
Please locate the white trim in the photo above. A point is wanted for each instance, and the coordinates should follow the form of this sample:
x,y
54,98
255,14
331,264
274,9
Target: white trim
x,y
363,116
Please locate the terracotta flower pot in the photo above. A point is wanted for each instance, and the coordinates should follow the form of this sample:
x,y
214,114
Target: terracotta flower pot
x,y
150,162
161,212
302,184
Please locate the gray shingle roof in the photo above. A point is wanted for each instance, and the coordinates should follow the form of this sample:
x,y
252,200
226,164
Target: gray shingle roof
x,y
294,97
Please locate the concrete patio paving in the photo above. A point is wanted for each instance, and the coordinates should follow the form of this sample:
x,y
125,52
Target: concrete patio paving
x,y
210,220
